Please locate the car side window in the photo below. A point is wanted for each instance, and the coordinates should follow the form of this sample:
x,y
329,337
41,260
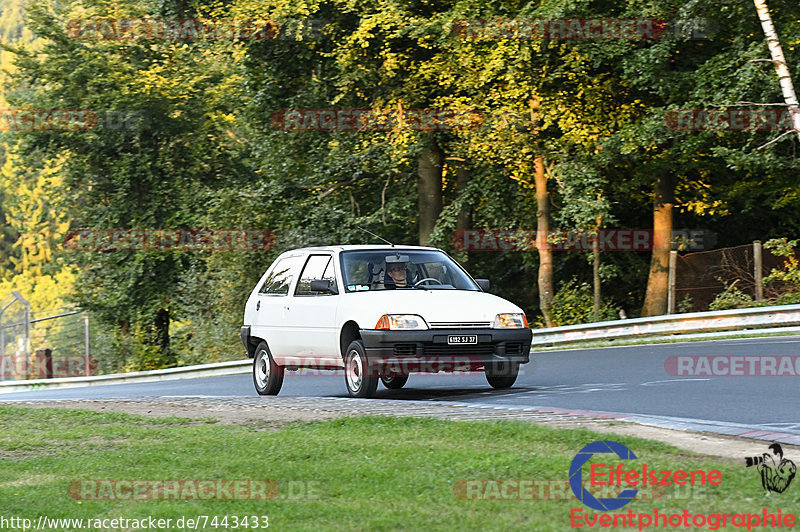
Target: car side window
x,y
317,267
435,270
280,279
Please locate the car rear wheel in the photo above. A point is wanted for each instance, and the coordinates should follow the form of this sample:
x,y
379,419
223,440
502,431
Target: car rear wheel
x,y
394,382
501,374
360,380
267,375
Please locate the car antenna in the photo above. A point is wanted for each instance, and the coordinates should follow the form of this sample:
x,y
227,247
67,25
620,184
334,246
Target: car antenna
x,y
376,236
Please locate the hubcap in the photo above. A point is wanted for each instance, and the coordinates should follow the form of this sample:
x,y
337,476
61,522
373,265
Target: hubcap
x,y
262,369
355,371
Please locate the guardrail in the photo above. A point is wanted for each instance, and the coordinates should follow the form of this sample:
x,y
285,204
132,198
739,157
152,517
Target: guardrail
x,y
234,367
766,319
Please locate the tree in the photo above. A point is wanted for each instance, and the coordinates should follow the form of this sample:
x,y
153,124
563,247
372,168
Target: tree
x,y
155,170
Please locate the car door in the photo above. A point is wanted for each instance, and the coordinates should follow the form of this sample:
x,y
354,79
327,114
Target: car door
x,y
272,304
311,316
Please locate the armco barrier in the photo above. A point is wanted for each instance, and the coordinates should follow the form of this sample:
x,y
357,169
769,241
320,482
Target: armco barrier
x,y
770,318
216,369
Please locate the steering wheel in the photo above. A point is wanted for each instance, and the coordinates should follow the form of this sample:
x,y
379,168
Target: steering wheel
x,y
428,279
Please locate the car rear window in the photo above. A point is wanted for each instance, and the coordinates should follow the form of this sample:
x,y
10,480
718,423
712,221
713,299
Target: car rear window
x,y
281,276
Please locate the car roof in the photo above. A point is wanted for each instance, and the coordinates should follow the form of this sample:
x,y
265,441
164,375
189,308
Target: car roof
x,y
363,247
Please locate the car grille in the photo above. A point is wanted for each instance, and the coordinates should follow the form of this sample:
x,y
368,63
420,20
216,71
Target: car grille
x,y
456,350
405,349
460,324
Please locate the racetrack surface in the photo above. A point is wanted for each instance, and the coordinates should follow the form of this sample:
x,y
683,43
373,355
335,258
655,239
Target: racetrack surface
x,y
630,380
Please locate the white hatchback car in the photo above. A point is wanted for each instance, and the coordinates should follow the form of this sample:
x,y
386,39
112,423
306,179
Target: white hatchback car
x,y
379,312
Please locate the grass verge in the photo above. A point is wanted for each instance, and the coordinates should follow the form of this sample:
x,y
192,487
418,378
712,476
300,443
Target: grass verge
x,y
365,473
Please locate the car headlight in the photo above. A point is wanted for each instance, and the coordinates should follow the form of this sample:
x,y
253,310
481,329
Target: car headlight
x,y
401,322
510,321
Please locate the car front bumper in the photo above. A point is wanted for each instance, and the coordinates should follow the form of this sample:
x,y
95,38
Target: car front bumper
x,y
432,352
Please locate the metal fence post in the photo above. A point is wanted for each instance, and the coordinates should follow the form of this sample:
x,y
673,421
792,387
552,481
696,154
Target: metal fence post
x,y
3,329
27,305
758,270
2,349
673,262
86,343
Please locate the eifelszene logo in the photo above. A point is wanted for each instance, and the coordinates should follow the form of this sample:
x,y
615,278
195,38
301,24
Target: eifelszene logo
x,y
776,471
576,475
619,476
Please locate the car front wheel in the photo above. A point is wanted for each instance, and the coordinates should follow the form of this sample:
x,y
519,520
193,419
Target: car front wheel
x,y
360,380
267,375
501,374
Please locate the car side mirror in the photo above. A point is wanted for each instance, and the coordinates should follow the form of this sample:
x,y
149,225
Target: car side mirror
x,y
484,284
323,285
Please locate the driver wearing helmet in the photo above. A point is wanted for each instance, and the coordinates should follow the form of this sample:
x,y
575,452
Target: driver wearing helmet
x,y
397,275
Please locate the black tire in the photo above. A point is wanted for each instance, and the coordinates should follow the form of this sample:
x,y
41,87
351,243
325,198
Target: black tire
x,y
267,375
501,374
394,382
360,380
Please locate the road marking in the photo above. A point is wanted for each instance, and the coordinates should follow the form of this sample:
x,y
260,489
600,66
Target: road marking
x,y
667,381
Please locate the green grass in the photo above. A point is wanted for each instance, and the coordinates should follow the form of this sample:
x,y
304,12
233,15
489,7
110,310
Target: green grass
x,y
368,473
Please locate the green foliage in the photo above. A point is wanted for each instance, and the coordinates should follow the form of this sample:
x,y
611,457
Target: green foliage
x,y
122,351
731,298
789,298
790,272
686,304
574,303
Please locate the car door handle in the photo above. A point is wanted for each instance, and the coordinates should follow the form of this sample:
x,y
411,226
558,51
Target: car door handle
x,y
258,305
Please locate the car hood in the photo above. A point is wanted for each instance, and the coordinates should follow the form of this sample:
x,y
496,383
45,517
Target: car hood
x,y
437,306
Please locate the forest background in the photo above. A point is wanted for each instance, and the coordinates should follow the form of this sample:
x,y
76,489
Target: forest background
x,y
557,132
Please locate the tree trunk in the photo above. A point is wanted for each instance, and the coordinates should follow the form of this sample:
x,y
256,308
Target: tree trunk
x,y
429,191
596,270
464,174
782,69
542,230
655,300
161,330
464,218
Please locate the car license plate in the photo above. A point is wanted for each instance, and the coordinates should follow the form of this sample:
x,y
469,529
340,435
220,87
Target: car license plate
x,y
462,339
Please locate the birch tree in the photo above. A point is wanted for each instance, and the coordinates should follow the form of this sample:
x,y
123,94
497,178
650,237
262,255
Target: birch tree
x,y
781,68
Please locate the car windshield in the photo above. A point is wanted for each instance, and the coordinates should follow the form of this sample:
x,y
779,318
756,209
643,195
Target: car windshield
x,y
402,269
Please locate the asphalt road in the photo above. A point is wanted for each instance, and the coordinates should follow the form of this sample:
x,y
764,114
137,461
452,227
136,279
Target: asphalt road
x,y
630,380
